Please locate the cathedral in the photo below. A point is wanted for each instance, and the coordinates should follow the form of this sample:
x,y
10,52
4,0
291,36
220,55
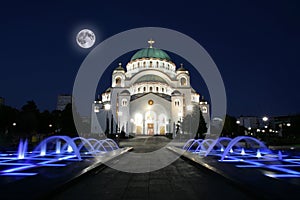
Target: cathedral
x,y
148,98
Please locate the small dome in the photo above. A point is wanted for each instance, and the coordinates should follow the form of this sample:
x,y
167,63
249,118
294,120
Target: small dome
x,y
175,93
125,92
120,68
181,69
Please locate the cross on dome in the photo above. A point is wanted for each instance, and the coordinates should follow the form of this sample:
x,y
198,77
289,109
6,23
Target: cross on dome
x,y
151,42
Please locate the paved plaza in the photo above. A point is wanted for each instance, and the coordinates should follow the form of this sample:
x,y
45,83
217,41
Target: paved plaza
x,y
180,180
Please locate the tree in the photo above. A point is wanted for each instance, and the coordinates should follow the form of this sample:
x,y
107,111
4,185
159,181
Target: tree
x,y
230,126
202,129
67,122
29,117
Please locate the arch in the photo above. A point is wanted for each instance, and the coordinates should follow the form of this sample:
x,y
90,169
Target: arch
x,y
221,139
207,144
183,81
190,143
155,72
187,143
249,140
84,142
98,145
113,142
42,146
118,80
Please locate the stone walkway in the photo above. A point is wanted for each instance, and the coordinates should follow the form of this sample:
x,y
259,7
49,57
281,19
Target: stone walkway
x,y
180,180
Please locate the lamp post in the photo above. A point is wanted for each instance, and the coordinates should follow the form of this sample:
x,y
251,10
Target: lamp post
x,y
265,119
107,108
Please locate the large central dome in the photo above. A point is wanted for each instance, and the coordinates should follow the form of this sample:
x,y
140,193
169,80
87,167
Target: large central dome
x,y
151,53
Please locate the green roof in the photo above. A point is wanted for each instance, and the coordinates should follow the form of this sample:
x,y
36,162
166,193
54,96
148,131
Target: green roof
x,y
150,78
151,53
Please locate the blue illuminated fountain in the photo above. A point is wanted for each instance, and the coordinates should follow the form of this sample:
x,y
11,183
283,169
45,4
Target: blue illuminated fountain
x,y
22,149
249,151
50,151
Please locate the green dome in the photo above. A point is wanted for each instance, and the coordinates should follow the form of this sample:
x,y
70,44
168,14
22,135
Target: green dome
x,y
151,53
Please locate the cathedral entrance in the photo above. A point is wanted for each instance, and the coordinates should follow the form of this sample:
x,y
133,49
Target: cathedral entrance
x,y
150,128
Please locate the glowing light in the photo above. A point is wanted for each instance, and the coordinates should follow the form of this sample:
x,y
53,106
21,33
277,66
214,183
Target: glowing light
x,y
238,121
258,154
57,150
243,151
258,130
231,151
265,118
14,124
279,155
288,124
50,125
70,149
107,106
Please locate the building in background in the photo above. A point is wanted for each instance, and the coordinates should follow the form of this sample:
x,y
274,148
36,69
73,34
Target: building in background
x,y
62,101
148,98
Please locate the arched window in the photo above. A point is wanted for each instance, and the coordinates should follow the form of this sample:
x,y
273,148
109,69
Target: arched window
x,y
183,81
177,102
157,64
150,63
139,89
138,64
156,89
144,89
150,89
162,89
118,81
144,64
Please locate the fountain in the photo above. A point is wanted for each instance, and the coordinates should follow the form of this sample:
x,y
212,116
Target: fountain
x,y
258,154
243,152
22,149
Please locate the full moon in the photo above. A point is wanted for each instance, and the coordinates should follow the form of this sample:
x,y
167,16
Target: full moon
x,y
85,38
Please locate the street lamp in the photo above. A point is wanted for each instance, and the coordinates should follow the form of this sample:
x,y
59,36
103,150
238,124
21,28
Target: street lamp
x,y
265,118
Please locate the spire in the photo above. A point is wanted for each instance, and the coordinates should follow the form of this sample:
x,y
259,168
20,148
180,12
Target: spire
x,y
151,42
181,68
120,67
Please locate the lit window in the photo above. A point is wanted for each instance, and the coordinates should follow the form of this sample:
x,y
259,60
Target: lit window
x,y
118,81
183,81
96,109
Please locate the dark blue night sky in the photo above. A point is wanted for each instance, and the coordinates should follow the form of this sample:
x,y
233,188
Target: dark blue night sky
x,y
255,45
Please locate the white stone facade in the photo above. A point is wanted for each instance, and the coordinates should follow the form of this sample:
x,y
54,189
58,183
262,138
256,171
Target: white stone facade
x,y
149,98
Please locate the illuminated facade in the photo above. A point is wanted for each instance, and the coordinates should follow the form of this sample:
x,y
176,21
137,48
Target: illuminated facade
x,y
147,98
